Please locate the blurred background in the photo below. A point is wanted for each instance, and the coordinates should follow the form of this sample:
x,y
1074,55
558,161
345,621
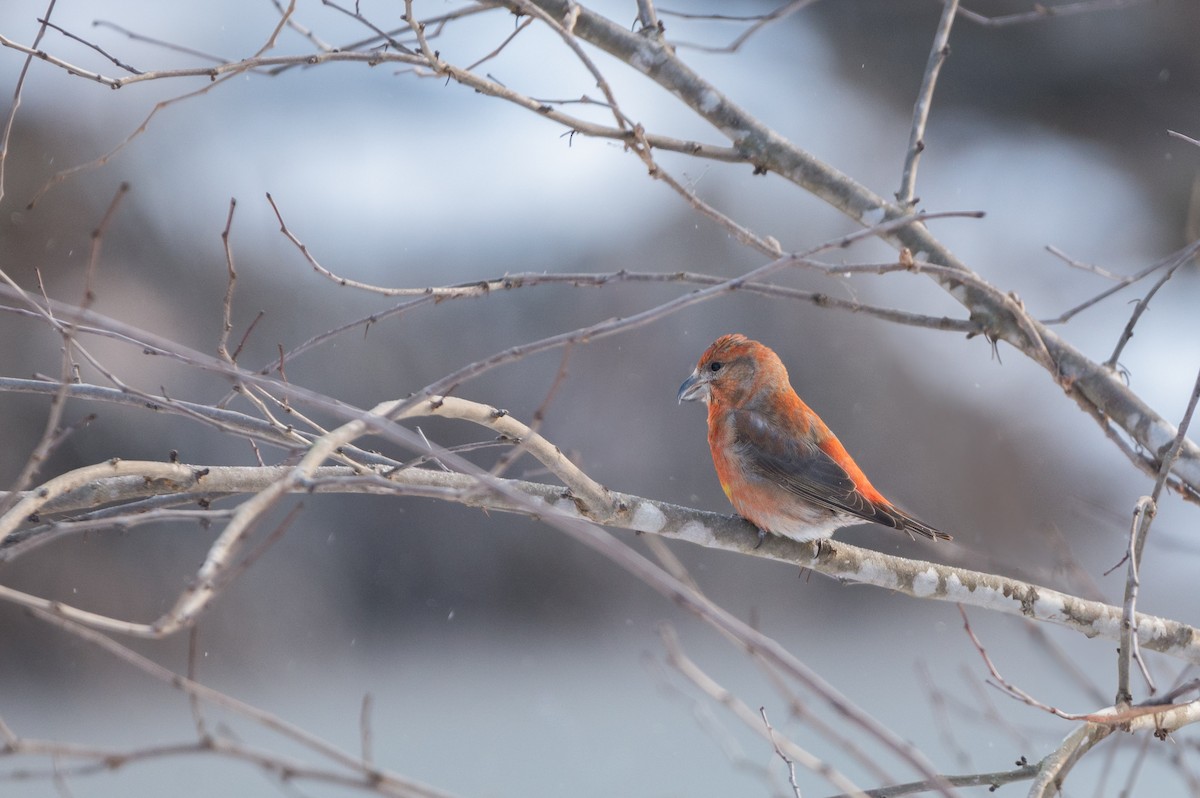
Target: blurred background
x,y
501,657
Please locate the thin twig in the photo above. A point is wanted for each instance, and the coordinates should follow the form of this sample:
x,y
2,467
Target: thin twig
x,y
193,699
791,766
18,91
1143,516
942,721
992,781
539,415
230,284
525,23
785,748
125,516
169,46
381,36
116,61
306,32
916,140
1067,662
1173,452
758,21
267,720
1129,651
65,174
1043,12
483,288
364,732
246,335
1115,716
609,327
1142,305
647,17
1169,262
1077,264
565,30
50,434
1177,135
269,44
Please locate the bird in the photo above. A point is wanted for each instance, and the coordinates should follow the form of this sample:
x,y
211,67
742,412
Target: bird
x,y
781,467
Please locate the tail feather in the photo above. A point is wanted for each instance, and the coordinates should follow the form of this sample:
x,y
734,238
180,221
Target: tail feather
x,y
897,518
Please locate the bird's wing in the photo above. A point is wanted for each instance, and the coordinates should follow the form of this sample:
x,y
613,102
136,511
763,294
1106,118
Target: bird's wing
x,y
808,471
798,466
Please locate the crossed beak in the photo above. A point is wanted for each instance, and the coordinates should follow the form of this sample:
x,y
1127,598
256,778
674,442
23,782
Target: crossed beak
x,y
693,388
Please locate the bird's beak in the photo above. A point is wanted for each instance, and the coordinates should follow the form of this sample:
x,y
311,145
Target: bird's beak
x,y
693,388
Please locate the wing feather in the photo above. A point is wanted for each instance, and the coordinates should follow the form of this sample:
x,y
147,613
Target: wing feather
x,y
807,471
795,465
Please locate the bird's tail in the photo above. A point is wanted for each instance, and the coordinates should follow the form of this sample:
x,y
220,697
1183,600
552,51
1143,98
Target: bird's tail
x,y
895,517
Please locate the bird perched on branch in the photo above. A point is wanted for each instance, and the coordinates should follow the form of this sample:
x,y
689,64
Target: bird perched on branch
x,y
783,470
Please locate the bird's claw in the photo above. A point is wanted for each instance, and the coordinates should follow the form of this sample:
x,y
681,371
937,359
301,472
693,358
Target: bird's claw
x,y
762,535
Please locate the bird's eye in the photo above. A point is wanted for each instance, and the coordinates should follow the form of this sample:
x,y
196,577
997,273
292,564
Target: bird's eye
x,y
715,366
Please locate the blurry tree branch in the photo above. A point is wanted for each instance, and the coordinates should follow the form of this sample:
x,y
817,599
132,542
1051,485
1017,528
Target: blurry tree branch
x,y
916,141
122,481
338,767
1140,432
1096,389
1041,12
119,494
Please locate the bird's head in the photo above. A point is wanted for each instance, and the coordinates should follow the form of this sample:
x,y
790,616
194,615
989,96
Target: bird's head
x,y
731,370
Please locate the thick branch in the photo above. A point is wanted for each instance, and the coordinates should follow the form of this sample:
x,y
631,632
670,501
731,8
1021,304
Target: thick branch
x,y
1054,768
842,561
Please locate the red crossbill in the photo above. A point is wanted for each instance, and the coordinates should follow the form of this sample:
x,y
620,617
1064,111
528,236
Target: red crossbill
x,y
783,470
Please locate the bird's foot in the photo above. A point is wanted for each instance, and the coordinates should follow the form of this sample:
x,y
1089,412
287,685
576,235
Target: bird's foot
x,y
762,535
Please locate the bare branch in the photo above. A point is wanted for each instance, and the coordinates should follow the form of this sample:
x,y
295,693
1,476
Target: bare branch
x,y
992,781
1113,717
1042,12
1094,388
347,762
483,288
1176,135
16,101
320,432
1138,310
230,284
916,140
786,749
791,766
1087,267
759,22
170,46
1054,768
841,561
1143,514
50,435
116,61
1169,262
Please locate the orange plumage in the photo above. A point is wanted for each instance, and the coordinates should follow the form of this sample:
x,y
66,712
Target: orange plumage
x,y
781,467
